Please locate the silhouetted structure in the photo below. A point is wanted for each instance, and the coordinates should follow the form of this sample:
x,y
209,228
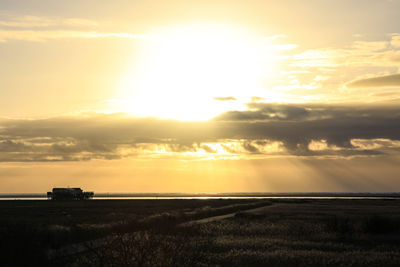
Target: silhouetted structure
x,y
69,194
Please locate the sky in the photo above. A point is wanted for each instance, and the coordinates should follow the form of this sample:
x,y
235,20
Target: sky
x,y
200,96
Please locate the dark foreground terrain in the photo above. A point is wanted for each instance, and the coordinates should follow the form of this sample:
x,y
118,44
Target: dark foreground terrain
x,y
286,232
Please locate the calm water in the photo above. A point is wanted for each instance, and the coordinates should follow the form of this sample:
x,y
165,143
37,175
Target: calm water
x,y
380,196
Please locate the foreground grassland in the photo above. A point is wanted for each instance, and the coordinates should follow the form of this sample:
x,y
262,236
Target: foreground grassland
x,y
150,233
32,227
309,233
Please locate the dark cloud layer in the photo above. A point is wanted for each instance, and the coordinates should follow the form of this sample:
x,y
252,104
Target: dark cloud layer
x,y
261,111
382,81
295,126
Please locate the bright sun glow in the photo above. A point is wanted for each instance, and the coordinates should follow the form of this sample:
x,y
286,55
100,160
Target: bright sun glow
x,y
182,69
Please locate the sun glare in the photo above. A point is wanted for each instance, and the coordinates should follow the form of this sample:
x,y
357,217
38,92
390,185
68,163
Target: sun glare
x,y
184,68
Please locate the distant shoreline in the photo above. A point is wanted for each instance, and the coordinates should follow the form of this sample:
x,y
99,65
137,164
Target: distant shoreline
x,y
221,195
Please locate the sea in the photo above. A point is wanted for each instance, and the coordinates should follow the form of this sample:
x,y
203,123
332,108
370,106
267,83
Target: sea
x,y
232,195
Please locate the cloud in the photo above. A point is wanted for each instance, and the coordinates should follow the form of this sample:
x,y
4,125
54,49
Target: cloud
x,y
297,125
370,46
382,81
358,54
29,21
274,37
395,42
38,22
264,130
257,98
280,47
263,111
40,29
228,98
41,36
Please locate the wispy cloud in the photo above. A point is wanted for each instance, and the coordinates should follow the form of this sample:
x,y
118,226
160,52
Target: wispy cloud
x,y
280,47
41,36
381,81
358,54
273,37
28,21
40,29
395,42
227,98
370,46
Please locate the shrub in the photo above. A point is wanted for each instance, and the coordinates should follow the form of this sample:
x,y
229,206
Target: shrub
x,y
380,225
340,225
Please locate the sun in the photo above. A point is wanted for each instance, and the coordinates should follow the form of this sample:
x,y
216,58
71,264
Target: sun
x,y
183,69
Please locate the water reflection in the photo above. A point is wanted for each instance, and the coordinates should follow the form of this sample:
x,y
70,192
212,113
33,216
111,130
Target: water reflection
x,y
210,197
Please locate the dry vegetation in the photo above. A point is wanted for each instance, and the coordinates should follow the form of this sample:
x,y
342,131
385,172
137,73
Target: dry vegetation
x,y
286,233
31,228
315,233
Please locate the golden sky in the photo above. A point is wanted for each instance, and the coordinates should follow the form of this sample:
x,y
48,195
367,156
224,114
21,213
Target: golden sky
x,y
200,96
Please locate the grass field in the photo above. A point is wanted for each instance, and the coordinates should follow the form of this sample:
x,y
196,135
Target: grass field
x,y
310,233
291,232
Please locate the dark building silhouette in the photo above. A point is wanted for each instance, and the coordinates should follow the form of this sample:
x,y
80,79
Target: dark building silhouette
x,y
69,194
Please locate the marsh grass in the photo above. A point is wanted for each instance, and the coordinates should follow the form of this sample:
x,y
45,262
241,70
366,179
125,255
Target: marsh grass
x,y
165,246
288,233
308,234
30,228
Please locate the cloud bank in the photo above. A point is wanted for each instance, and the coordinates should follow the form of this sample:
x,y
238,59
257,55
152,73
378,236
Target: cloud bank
x,y
264,130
